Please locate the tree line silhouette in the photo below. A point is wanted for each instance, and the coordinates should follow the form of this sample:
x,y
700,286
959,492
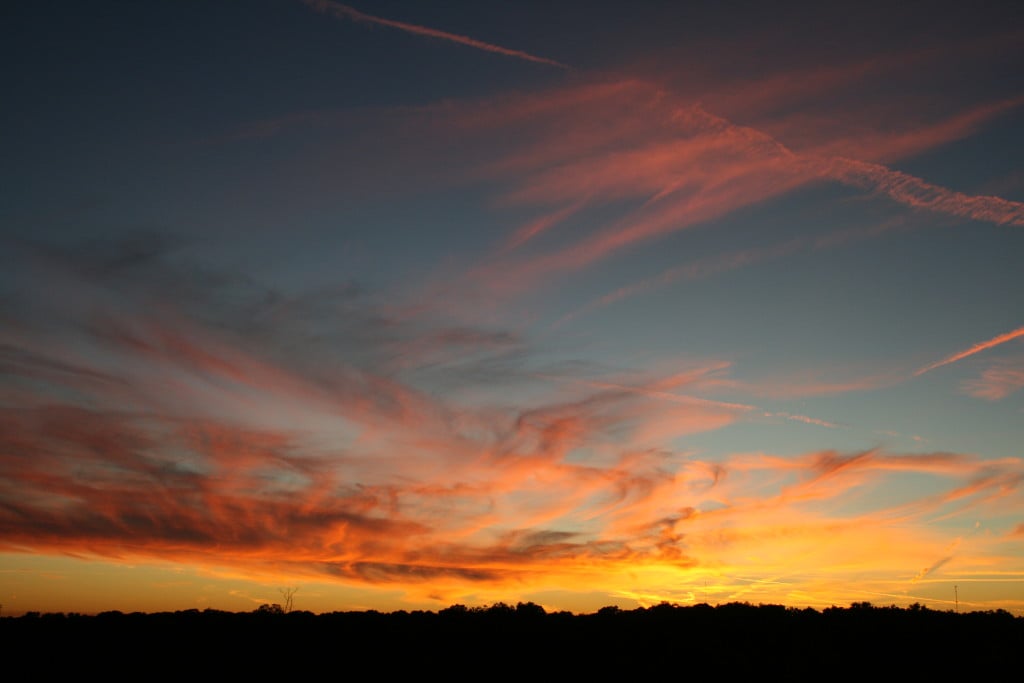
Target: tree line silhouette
x,y
460,642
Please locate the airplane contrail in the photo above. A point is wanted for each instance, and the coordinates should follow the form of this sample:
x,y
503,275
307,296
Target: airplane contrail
x,y
980,346
345,12
914,191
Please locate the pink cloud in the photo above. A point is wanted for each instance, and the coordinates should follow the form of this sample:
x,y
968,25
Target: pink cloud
x,y
630,162
542,224
688,166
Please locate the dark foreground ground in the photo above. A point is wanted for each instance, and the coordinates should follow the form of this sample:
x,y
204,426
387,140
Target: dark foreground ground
x,y
736,641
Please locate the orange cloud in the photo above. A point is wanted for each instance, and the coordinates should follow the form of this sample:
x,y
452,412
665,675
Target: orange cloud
x,y
425,497
528,508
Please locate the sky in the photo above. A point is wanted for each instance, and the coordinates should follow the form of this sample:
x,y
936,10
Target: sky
x,y
400,305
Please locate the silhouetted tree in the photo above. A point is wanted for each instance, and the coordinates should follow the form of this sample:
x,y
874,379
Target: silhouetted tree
x,y
289,594
529,609
266,609
500,609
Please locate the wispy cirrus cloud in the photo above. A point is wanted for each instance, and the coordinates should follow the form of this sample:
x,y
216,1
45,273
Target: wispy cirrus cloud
x,y
627,162
695,270
803,384
665,164
346,12
806,419
999,380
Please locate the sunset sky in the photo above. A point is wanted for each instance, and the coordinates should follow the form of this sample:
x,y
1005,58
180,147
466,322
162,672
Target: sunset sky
x,y
400,305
